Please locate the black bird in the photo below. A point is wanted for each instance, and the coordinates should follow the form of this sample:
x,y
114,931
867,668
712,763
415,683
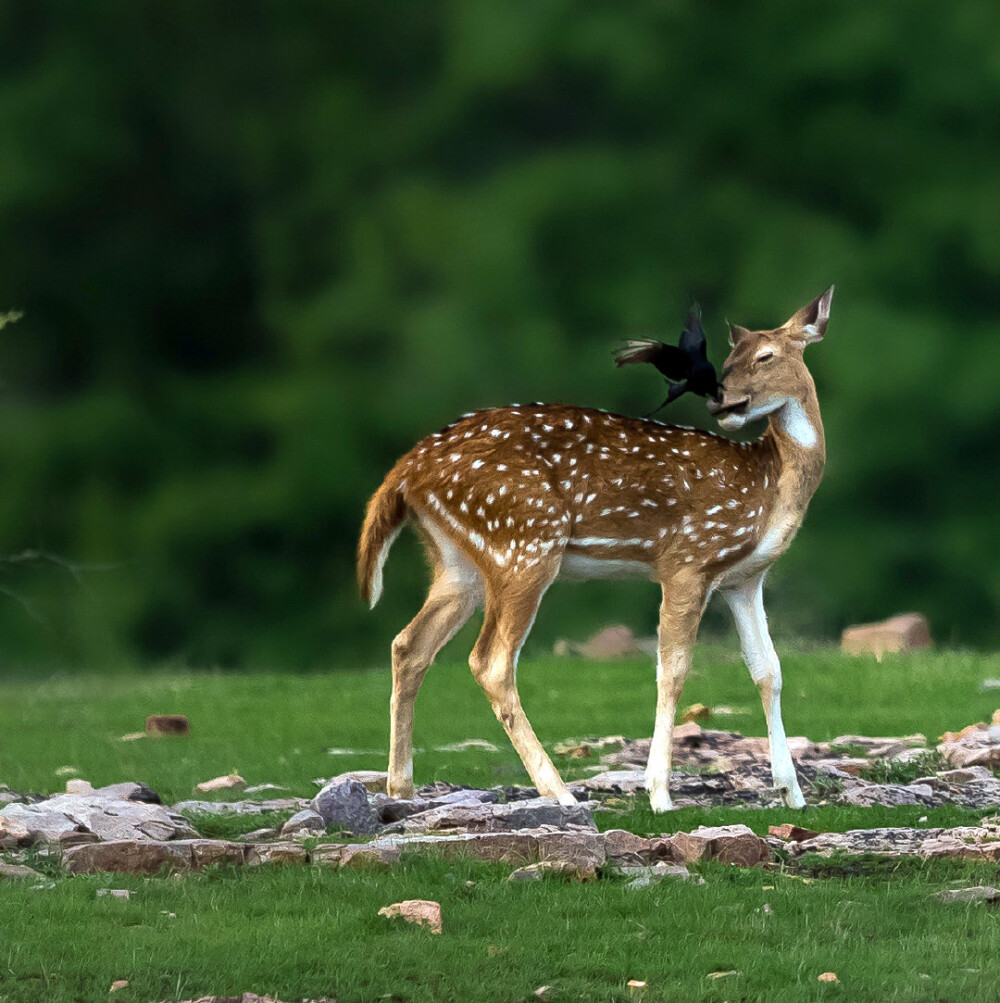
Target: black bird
x,y
685,365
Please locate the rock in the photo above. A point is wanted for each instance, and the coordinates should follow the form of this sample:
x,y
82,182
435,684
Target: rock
x,y
260,788
966,732
158,725
232,781
963,842
583,748
696,712
241,807
624,781
864,794
304,822
16,872
612,642
276,853
789,831
119,984
904,633
827,977
79,787
108,813
13,832
487,817
562,868
128,856
727,844
344,805
626,849
989,684
420,911
257,835
66,771
644,877
374,781
115,893
132,736
981,893
878,747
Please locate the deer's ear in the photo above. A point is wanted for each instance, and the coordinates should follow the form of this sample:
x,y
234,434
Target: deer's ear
x,y
809,324
736,334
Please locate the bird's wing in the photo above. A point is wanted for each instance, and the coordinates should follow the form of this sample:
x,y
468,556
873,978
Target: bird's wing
x,y
673,362
692,339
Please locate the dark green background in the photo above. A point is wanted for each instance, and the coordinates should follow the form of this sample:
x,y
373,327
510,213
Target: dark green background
x,y
263,247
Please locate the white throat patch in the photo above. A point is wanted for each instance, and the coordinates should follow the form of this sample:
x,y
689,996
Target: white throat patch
x,y
796,423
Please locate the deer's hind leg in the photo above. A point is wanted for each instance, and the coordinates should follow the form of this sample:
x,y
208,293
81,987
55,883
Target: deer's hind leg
x,y
508,618
456,591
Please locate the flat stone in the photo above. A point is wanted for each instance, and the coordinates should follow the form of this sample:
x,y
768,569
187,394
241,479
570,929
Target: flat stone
x,y
864,794
645,877
423,912
963,842
793,832
546,868
344,805
480,817
128,856
980,893
623,781
241,807
158,725
276,853
231,781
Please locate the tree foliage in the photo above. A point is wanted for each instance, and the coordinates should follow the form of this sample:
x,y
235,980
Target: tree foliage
x,y
261,248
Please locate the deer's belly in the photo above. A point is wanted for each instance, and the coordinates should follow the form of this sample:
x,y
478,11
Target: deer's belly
x,y
580,566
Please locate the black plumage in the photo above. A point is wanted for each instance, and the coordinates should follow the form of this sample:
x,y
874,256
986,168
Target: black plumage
x,y
685,365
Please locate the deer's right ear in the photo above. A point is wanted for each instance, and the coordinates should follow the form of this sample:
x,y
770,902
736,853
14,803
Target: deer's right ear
x,y
811,320
736,334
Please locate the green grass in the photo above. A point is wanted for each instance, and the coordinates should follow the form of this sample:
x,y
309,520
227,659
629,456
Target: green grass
x,y
310,932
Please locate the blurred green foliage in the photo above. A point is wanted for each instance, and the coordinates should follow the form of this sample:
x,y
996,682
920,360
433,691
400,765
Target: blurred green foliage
x,y
262,248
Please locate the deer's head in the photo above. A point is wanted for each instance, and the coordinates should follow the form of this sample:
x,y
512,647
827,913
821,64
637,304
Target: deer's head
x,y
765,370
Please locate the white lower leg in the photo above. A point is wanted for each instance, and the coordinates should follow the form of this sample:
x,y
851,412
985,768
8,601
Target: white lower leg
x,y
782,767
671,670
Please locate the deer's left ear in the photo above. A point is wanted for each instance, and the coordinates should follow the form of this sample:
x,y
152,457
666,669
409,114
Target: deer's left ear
x,y
809,324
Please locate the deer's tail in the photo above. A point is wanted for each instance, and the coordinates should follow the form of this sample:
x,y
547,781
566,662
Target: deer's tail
x,y
383,521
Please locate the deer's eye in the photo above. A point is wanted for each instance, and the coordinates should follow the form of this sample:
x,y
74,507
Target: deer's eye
x,y
765,357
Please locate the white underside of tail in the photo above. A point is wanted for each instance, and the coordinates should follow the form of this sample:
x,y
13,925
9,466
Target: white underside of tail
x,y
376,590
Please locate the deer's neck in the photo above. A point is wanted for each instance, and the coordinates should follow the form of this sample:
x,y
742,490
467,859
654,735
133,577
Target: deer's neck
x,y
795,439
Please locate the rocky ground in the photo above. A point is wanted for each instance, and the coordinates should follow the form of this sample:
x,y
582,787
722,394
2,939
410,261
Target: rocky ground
x,y
352,822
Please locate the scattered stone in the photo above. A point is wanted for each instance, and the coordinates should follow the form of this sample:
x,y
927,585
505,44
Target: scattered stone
x,y
257,835
989,684
67,771
115,893
132,736
963,842
981,893
899,634
827,977
17,872
696,712
303,823
158,725
789,831
563,868
615,781
878,747
260,788
863,794
130,856
423,912
583,748
626,849
231,781
344,805
469,743
119,984
79,787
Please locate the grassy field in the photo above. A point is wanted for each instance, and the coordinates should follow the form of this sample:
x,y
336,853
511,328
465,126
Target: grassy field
x,y
308,932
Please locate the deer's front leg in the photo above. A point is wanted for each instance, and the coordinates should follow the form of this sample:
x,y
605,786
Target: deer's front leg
x,y
680,613
747,605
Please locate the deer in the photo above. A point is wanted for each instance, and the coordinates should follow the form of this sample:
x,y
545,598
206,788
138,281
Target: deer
x,y
509,499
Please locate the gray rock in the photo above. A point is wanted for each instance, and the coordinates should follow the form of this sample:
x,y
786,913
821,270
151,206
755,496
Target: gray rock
x,y
981,893
16,872
644,877
962,842
241,807
865,794
479,817
276,853
345,806
306,820
114,893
